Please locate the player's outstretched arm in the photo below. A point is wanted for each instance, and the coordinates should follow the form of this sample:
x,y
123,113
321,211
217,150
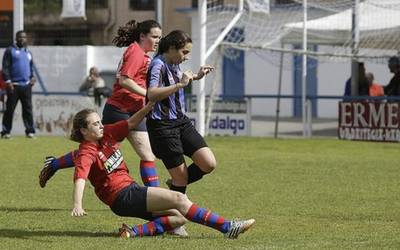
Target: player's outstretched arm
x,y
78,210
136,118
52,164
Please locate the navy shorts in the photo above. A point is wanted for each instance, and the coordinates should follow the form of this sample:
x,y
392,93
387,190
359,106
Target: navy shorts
x,y
131,202
112,114
172,139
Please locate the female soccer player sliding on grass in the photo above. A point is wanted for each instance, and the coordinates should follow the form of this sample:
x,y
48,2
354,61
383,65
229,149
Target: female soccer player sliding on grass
x,y
171,132
127,98
100,160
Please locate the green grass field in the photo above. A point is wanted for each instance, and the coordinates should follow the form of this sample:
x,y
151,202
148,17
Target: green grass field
x,y
304,194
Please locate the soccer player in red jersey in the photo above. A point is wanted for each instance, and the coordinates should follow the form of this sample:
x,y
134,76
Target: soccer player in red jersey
x,y
127,98
101,162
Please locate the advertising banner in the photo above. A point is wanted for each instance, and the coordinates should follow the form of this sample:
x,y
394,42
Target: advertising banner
x,y
226,123
73,8
369,121
52,115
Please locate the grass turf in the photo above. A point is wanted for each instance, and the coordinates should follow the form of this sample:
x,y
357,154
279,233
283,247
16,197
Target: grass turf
x,y
304,194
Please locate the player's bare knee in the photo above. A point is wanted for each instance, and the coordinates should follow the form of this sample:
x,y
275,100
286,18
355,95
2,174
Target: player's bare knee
x,y
210,165
180,200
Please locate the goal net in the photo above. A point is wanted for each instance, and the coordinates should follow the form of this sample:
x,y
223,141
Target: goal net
x,y
275,28
267,24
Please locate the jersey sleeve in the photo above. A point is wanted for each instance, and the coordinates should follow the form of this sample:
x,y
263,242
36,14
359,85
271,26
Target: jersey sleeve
x,y
131,63
83,164
155,77
118,130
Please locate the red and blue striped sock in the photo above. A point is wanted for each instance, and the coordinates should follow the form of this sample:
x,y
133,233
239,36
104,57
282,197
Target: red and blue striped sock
x,y
148,172
155,227
208,218
65,161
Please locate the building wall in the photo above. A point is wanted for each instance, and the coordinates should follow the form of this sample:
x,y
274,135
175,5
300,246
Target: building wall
x,y
101,25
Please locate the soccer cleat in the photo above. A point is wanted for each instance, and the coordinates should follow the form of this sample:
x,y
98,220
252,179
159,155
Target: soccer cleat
x,y
47,171
179,231
126,232
238,227
169,183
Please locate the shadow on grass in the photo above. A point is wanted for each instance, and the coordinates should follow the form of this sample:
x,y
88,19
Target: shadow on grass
x,y
31,209
40,209
24,234
28,234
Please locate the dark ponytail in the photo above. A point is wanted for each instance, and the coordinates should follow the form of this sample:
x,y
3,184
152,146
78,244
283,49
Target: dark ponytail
x,y
176,39
131,31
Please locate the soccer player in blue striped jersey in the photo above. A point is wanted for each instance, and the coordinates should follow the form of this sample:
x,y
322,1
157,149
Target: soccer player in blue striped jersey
x,y
171,133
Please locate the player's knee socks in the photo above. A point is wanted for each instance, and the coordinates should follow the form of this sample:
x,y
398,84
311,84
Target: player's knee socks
x,y
208,218
155,227
181,189
65,161
194,173
148,172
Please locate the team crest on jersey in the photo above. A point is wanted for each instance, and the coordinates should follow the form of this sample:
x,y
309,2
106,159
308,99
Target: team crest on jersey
x,y
113,161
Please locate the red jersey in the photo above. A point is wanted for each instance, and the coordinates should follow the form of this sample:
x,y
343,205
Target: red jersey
x,y
103,163
134,65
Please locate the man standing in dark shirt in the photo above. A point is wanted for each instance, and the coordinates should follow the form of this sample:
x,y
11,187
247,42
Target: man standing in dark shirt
x,y
18,75
393,88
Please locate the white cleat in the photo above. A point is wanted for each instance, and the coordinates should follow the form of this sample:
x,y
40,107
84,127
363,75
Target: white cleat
x,y
179,231
238,227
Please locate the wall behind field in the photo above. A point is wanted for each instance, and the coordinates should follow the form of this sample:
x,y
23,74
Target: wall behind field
x,y
63,68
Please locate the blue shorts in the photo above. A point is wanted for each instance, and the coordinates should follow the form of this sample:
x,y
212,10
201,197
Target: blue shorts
x,y
112,114
131,202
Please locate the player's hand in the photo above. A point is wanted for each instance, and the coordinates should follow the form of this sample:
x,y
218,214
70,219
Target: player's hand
x,y
187,77
47,171
78,212
204,70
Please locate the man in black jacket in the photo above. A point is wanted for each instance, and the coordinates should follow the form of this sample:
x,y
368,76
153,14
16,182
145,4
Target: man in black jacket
x,y
393,88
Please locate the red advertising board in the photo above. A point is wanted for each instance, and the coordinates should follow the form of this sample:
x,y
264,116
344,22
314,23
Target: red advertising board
x,y
369,121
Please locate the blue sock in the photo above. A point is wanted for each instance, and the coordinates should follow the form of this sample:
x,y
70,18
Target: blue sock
x,y
148,172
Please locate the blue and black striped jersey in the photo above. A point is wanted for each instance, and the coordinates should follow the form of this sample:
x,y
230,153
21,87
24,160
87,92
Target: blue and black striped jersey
x,y
161,74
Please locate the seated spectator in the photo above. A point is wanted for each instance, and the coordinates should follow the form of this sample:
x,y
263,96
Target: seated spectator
x,y
375,89
94,85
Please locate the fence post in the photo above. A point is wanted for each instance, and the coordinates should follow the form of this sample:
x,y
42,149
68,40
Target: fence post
x,y
309,117
248,114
